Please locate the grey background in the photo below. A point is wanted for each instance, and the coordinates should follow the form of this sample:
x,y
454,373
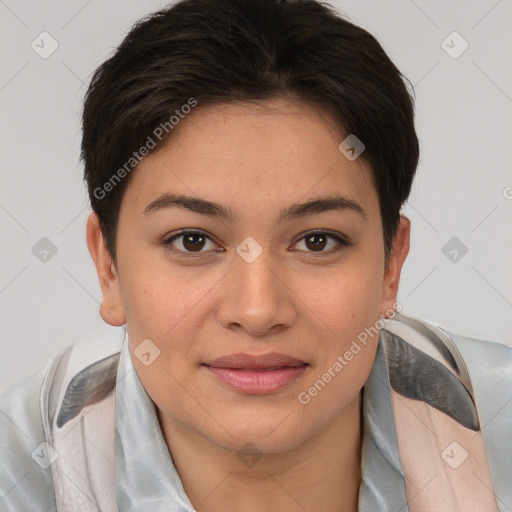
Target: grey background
x,y
463,188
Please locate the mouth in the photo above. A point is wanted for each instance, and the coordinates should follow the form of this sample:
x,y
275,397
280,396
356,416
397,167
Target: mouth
x,y
256,374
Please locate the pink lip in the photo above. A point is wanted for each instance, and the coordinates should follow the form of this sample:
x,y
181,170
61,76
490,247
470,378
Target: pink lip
x,y
257,374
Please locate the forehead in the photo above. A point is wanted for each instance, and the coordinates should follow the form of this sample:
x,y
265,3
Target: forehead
x,y
274,152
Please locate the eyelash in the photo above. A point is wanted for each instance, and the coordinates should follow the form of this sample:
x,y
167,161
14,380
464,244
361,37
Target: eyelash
x,y
167,242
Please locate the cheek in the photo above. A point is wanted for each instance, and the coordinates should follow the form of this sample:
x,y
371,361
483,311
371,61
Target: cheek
x,y
345,308
346,352
167,308
344,300
156,296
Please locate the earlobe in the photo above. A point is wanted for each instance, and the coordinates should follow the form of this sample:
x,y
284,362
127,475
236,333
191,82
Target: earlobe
x,y
111,309
398,255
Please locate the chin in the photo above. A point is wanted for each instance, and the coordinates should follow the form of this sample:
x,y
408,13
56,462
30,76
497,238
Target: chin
x,y
266,437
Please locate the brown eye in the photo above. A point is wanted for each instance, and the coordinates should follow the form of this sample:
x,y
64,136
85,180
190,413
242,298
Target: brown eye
x,y
322,242
190,242
193,242
316,242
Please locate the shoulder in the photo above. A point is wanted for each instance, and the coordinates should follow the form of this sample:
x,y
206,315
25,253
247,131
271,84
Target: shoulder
x,y
487,356
23,451
464,377
32,410
489,366
461,354
489,363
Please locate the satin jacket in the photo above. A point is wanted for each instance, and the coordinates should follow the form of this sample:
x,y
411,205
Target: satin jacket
x,y
82,433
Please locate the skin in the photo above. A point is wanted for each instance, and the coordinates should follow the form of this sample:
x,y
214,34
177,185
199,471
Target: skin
x,y
294,299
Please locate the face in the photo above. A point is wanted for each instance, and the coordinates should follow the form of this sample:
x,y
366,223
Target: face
x,y
250,233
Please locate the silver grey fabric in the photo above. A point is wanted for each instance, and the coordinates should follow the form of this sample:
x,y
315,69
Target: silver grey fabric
x,y
24,485
147,479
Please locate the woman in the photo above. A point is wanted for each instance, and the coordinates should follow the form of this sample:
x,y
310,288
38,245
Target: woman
x,y
246,162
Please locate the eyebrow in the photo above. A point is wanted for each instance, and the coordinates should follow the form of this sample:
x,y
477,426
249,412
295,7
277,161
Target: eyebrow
x,y
205,207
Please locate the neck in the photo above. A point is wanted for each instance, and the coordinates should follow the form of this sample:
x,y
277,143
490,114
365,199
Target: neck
x,y
322,474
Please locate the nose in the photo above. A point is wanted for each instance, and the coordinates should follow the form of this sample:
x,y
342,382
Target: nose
x,y
257,298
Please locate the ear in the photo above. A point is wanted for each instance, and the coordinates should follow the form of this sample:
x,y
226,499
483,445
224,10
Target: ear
x,y
111,309
399,252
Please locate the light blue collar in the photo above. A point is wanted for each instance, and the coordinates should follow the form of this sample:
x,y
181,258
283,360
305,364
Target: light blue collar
x,y
383,486
145,474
